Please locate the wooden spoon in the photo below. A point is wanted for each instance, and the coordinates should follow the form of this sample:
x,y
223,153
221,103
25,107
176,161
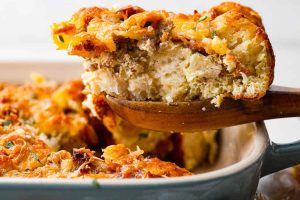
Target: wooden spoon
x,y
278,102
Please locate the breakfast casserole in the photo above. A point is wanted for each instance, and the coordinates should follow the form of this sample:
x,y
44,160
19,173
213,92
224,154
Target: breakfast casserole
x,y
47,131
134,54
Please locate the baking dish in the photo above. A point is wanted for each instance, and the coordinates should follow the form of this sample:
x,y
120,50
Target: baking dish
x,y
246,155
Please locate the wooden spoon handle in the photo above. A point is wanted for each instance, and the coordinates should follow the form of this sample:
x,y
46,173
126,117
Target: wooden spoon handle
x,y
281,102
192,116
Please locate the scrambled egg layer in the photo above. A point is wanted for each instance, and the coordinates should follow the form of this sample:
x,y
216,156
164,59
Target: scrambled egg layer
x,y
164,56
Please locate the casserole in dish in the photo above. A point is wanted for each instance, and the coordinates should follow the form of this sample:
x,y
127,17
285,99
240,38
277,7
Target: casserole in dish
x,y
244,152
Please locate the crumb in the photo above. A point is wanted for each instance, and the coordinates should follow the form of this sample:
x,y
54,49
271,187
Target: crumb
x,y
217,101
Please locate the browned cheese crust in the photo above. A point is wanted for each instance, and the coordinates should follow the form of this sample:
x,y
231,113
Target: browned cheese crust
x,y
41,122
24,155
53,112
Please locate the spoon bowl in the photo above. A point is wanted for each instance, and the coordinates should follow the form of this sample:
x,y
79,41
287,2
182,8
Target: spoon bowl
x,y
192,116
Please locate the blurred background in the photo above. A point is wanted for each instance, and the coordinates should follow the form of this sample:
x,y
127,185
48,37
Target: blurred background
x,y
25,36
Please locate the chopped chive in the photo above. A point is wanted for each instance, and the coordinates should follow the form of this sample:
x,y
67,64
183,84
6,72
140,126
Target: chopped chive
x,y
96,184
61,38
35,156
6,122
9,145
213,34
202,18
143,135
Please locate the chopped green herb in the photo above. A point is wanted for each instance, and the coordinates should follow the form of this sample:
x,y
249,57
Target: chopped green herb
x,y
143,135
6,122
35,156
147,24
61,38
9,145
96,184
202,18
213,34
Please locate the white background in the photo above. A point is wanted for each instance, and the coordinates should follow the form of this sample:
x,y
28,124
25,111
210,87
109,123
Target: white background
x,y
25,35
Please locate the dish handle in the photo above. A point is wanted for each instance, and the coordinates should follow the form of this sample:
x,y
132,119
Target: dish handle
x,y
280,156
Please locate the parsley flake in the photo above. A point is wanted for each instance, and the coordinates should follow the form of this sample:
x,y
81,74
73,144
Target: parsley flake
x,y
202,18
35,156
96,184
6,122
9,145
213,34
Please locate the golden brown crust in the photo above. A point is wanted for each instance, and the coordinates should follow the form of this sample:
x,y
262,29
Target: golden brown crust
x,y
55,112
21,151
30,111
24,155
271,54
126,11
129,22
249,13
